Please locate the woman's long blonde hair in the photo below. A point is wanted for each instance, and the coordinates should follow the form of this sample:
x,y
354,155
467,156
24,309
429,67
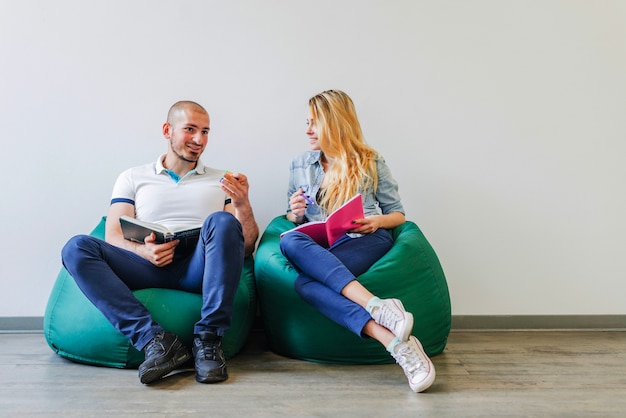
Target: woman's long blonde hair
x,y
341,141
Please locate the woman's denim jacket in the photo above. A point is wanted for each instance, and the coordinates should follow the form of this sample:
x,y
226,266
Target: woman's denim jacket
x,y
306,171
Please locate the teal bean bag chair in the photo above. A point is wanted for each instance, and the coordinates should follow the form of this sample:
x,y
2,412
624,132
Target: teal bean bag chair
x,y
410,271
76,330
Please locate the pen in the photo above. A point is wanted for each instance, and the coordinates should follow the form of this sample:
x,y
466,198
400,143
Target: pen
x,y
227,171
308,199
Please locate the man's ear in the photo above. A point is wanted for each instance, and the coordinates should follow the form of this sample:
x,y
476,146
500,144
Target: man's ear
x,y
167,130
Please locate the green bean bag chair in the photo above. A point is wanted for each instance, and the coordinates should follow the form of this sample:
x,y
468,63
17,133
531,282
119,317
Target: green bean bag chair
x,y
76,330
410,271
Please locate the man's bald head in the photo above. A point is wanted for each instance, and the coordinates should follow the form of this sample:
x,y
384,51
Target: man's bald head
x,y
182,106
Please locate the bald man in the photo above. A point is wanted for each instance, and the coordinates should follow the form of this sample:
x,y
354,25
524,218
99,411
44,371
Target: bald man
x,y
175,190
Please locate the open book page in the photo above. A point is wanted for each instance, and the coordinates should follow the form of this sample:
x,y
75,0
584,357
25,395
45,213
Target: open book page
x,y
136,230
327,232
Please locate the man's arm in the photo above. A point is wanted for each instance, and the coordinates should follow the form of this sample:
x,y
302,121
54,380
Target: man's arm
x,y
236,186
158,254
113,232
245,216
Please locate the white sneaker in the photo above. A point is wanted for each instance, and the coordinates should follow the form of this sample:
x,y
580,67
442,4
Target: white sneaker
x,y
391,315
416,365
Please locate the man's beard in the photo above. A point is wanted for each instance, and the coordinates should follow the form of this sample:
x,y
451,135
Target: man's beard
x,y
183,157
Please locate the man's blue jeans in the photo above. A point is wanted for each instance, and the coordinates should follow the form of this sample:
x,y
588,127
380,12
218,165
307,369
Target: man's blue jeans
x,y
107,275
323,273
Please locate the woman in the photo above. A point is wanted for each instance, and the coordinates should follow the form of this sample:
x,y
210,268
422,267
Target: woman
x,y
340,165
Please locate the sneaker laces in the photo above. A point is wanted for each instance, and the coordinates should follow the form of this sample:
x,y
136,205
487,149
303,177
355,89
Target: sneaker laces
x,y
155,345
209,350
409,360
387,317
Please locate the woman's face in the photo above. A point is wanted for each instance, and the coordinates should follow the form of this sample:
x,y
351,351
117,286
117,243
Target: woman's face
x,y
311,132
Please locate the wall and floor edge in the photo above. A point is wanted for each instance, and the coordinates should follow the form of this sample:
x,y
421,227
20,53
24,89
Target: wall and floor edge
x,y
459,323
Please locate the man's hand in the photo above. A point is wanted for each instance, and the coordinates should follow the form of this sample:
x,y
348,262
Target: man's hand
x,y
158,254
236,187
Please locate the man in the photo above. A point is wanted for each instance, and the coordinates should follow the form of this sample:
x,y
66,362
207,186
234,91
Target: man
x,y
175,190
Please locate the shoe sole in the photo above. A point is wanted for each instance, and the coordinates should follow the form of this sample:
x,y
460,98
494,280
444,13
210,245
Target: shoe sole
x,y
404,333
155,373
408,327
212,378
425,384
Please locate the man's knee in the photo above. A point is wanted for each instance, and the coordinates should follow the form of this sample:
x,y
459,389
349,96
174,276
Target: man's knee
x,y
76,248
222,222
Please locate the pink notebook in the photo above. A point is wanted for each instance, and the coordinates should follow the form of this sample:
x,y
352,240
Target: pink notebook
x,y
327,232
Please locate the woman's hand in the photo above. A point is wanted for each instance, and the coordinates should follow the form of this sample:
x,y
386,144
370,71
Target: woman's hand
x,y
367,225
371,224
297,204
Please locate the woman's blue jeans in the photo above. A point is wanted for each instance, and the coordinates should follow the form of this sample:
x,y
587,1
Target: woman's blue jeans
x,y
323,273
107,275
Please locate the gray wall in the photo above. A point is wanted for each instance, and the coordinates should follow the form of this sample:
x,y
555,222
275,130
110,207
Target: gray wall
x,y
503,122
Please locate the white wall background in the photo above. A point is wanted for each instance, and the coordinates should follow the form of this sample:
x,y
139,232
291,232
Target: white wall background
x,y
503,121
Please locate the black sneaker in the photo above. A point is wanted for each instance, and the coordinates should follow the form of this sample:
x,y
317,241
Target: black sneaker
x,y
164,353
210,360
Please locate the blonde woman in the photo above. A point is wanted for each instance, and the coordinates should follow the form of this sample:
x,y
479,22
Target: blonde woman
x,y
339,165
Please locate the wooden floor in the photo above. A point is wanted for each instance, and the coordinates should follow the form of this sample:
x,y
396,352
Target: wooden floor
x,y
480,374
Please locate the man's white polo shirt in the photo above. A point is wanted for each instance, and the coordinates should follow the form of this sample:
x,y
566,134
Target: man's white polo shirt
x,y
159,198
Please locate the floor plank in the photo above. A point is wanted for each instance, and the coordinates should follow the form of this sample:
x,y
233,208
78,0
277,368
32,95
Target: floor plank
x,y
480,374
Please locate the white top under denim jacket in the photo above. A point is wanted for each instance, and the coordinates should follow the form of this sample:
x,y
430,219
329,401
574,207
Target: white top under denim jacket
x,y
306,171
